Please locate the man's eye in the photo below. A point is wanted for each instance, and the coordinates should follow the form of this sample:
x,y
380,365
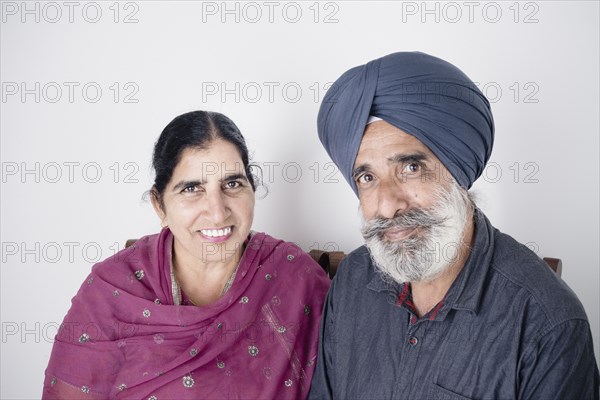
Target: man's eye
x,y
412,168
365,178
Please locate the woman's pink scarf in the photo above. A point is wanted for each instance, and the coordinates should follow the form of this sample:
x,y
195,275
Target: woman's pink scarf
x,y
125,338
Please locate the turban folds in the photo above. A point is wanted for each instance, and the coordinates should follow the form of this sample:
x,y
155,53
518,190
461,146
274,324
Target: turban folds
x,y
422,95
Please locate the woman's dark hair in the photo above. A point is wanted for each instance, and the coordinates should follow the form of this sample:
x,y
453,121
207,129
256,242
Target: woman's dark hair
x,y
197,130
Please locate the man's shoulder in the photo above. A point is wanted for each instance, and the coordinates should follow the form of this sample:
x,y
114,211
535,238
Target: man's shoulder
x,y
527,274
355,269
360,254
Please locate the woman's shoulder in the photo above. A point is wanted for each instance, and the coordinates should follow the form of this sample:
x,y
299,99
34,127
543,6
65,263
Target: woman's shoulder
x,y
143,253
270,246
283,253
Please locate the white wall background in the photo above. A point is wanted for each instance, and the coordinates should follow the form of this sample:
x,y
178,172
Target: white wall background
x,y
537,62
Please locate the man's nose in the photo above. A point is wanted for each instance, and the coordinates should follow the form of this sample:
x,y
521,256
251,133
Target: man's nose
x,y
391,199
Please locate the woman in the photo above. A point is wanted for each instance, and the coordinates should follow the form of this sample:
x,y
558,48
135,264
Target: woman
x,y
204,309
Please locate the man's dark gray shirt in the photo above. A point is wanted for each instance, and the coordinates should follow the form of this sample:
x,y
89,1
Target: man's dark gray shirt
x,y
508,328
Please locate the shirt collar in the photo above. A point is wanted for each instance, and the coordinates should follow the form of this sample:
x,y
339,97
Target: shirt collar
x,y
379,284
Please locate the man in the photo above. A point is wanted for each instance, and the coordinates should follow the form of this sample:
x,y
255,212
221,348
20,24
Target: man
x,y
439,304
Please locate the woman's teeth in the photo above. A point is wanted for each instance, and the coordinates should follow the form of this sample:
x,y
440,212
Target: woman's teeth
x,y
216,232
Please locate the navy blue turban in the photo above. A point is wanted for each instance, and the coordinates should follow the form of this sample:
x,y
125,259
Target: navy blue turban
x,y
422,95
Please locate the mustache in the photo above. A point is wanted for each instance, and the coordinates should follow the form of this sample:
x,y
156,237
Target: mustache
x,y
415,218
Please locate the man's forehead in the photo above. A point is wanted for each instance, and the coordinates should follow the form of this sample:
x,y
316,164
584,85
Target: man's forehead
x,y
385,144
382,138
381,130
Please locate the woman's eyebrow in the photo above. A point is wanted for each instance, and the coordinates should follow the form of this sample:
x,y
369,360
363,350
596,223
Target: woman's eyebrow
x,y
234,177
184,184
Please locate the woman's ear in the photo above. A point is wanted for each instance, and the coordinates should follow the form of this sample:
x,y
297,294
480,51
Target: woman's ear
x,y
158,207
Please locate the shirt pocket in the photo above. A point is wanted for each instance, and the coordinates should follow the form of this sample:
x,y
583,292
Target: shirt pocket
x,y
437,392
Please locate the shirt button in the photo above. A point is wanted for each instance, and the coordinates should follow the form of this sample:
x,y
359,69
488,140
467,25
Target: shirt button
x,y
413,341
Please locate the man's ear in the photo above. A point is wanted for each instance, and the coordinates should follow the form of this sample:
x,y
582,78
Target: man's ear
x,y
158,208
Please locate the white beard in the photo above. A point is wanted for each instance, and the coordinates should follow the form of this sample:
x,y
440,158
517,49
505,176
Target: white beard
x,y
430,250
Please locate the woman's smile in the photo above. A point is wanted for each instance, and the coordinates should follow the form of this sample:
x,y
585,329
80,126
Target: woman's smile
x,y
216,235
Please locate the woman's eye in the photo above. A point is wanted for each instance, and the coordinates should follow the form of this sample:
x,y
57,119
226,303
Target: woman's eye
x,y
233,184
190,189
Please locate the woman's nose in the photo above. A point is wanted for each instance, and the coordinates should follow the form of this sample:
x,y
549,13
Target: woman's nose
x,y
217,208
